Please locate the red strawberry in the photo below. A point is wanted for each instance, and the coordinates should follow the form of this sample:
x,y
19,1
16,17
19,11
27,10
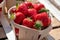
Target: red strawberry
x,y
22,8
28,22
29,4
49,21
19,17
32,12
1,1
0,9
38,6
42,17
13,10
16,31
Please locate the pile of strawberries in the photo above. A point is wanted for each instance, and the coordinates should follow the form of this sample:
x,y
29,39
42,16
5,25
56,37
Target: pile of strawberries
x,y
32,15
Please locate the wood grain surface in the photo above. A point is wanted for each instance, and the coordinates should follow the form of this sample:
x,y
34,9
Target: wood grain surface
x,y
2,33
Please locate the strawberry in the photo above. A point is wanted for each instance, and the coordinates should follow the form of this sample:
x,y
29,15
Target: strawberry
x,y
38,6
16,31
42,17
19,17
13,10
1,1
32,12
0,9
28,22
29,4
49,21
22,8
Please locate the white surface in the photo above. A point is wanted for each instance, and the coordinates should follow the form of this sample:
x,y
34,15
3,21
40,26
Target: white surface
x,y
58,2
7,28
52,9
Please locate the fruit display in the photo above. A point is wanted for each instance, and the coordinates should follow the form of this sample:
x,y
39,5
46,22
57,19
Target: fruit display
x,y
31,15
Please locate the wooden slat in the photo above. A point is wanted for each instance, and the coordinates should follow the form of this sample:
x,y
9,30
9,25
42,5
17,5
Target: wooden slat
x,y
55,34
55,22
2,33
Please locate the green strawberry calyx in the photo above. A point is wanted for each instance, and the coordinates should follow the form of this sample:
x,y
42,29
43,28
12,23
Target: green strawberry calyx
x,y
43,10
12,16
17,5
29,0
19,0
30,7
29,19
38,24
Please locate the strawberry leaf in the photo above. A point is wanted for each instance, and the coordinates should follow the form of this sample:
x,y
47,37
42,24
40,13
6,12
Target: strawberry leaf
x,y
43,10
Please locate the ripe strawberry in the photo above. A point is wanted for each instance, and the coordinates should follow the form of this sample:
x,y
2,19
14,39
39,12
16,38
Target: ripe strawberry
x,y
16,31
1,1
22,8
28,22
32,12
13,10
19,17
49,21
29,4
0,9
46,24
42,17
38,6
